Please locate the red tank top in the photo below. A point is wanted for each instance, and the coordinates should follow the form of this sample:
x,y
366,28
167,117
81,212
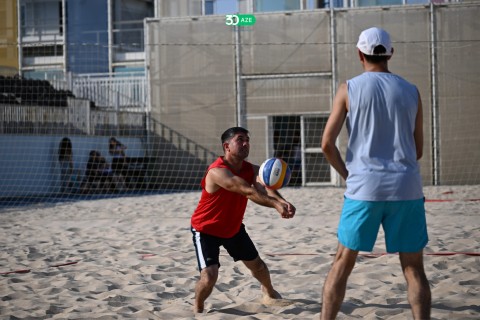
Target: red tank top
x,y
221,213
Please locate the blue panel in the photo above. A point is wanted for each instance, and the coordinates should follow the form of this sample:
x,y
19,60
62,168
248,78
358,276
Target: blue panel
x,y
51,74
367,3
87,36
276,5
129,71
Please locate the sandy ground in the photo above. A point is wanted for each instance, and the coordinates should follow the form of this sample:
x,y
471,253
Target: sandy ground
x,y
133,258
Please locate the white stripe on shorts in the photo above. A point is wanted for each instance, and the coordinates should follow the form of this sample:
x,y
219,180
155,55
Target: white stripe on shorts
x,y
198,244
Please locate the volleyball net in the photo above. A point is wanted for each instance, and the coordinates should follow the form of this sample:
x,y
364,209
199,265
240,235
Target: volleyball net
x,y
70,128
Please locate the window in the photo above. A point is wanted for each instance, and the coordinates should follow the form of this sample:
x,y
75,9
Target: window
x,y
42,51
46,74
366,3
296,139
209,7
221,6
275,5
41,18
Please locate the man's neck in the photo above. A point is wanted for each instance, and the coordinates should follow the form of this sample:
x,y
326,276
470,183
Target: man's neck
x,y
377,67
234,163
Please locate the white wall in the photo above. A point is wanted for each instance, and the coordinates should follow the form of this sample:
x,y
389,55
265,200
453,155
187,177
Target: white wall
x,y
29,164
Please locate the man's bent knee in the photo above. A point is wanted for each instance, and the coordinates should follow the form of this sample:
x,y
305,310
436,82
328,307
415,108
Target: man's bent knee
x,y
255,265
345,257
209,275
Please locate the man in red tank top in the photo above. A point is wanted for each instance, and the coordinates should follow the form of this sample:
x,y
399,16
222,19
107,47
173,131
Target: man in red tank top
x,y
228,184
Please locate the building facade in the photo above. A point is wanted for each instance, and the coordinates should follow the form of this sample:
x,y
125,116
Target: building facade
x,y
50,39
8,38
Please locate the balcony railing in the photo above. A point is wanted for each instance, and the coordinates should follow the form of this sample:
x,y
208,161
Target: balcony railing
x,y
128,93
34,33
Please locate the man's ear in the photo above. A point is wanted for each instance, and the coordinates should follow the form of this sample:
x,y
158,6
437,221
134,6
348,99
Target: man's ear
x,y
391,54
360,55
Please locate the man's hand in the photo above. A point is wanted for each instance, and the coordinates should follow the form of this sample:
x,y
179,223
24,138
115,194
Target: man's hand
x,y
286,209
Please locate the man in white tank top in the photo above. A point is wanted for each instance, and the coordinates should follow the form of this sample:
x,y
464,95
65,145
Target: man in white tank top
x,y
383,114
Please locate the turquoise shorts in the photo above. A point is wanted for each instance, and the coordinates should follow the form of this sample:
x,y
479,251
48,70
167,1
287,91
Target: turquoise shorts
x,y
403,222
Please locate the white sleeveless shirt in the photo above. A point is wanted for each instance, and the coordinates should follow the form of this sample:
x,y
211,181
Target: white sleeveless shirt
x,y
381,155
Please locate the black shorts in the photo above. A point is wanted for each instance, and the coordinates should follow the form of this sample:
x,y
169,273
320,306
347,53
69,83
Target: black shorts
x,y
207,247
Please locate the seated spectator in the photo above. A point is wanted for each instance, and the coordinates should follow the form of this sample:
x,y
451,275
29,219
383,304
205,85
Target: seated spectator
x,y
98,175
65,158
119,159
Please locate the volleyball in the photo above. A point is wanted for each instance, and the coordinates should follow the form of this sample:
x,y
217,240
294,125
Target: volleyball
x,y
274,173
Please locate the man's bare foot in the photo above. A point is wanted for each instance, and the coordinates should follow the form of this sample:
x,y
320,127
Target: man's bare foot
x,y
273,298
272,294
198,308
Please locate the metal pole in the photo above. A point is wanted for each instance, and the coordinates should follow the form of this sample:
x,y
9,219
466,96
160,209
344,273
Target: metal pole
x,y
19,38
334,50
433,92
250,8
288,75
110,35
146,65
269,134
241,116
302,148
335,176
147,108
65,39
86,107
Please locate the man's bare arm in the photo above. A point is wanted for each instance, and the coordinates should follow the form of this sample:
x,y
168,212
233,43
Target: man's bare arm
x,y
418,133
332,130
226,180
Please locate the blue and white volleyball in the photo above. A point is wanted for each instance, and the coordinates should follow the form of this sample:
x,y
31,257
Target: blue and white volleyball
x,y
274,173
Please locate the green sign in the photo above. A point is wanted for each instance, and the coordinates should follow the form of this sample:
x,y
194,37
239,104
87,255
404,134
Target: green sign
x,y
240,20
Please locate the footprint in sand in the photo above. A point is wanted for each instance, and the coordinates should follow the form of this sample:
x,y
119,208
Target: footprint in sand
x,y
279,302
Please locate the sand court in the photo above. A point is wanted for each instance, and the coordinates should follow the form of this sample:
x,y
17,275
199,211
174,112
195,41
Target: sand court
x,y
133,258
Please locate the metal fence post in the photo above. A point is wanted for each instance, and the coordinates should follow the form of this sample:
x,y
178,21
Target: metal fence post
x,y
239,84
334,175
433,96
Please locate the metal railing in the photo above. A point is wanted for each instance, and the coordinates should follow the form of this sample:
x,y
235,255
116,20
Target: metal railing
x,y
117,93
77,119
111,91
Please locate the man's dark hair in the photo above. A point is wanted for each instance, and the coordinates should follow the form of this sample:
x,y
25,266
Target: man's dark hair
x,y
230,133
377,59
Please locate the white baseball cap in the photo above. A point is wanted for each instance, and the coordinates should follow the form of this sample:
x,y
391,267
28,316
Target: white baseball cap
x,y
373,37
